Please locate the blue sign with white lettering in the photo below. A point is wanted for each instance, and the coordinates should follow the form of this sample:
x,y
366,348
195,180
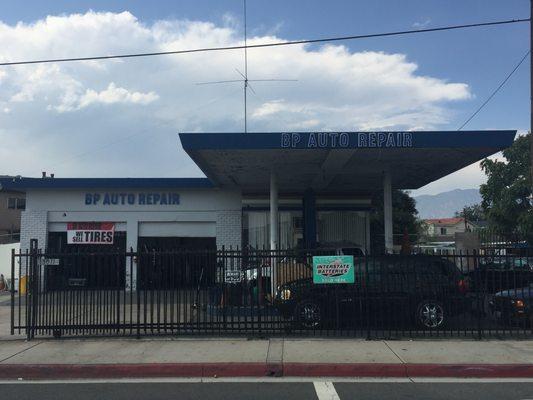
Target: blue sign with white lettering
x,y
131,199
347,140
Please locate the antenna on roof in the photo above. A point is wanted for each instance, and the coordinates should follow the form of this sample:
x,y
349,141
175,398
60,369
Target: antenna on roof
x,y
245,76
245,79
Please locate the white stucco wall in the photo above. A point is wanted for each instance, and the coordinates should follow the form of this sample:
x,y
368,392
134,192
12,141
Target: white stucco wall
x,y
5,259
434,229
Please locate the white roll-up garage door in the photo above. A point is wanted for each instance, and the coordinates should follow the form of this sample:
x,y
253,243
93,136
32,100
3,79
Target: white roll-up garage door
x,y
177,229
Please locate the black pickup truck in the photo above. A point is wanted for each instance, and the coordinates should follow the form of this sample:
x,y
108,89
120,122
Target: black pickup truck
x,y
424,290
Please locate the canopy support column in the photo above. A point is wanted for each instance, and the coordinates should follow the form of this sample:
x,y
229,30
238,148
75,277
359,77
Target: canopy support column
x,y
387,212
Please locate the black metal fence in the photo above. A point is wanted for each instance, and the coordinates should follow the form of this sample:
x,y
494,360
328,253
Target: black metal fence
x,y
490,239
267,293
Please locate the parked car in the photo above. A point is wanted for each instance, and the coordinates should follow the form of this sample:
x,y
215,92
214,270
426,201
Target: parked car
x,y
500,273
425,290
513,305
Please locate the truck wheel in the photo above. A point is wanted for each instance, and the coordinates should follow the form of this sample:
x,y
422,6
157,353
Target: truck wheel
x,y
431,314
308,314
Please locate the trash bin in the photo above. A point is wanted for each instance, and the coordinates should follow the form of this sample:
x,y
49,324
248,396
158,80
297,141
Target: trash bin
x,y
23,284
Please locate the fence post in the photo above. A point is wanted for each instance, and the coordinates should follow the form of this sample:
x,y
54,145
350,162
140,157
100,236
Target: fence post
x,y
118,286
480,296
366,281
223,287
12,290
31,292
138,255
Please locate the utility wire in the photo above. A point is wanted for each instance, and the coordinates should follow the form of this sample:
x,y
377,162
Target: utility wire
x,y
496,90
273,44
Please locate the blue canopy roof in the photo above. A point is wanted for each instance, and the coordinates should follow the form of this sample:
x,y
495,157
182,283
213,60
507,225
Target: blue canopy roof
x,y
351,162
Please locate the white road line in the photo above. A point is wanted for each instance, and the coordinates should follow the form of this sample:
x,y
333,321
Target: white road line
x,y
326,391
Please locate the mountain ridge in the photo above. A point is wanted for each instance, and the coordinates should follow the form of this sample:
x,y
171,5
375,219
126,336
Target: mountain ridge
x,y
445,204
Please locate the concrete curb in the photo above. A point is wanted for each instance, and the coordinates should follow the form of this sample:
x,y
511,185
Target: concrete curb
x,y
197,370
410,370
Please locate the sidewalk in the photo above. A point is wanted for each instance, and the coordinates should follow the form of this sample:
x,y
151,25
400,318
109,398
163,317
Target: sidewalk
x,y
131,358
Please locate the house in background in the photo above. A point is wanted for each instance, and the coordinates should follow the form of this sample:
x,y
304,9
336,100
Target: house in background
x,y
12,203
444,229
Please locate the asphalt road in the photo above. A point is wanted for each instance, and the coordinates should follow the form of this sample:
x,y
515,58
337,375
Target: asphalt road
x,y
268,390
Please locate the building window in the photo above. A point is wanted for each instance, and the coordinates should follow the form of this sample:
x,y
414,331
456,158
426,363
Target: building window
x,y
341,227
256,229
16,204
443,231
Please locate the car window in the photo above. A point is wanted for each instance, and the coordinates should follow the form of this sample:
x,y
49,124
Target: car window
x,y
437,268
373,272
398,266
352,251
521,264
447,267
428,266
497,264
368,269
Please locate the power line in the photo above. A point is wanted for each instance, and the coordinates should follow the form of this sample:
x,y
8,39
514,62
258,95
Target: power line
x,y
496,90
273,44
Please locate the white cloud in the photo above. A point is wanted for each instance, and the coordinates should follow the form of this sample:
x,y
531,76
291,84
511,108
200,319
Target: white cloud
x,y
108,111
270,108
422,24
230,20
111,95
305,124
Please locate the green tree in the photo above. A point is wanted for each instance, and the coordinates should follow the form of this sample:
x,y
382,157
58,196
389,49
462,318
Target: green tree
x,y
404,216
507,200
472,213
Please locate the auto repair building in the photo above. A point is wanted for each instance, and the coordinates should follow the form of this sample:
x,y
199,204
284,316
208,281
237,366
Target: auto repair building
x,y
315,186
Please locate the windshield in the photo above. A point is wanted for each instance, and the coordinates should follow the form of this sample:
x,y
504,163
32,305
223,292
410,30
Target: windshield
x,y
352,251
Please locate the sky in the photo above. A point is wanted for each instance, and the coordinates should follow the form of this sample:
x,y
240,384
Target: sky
x,y
120,118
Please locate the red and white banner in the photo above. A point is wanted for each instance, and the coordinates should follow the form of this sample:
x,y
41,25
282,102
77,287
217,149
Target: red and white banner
x,y
90,232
